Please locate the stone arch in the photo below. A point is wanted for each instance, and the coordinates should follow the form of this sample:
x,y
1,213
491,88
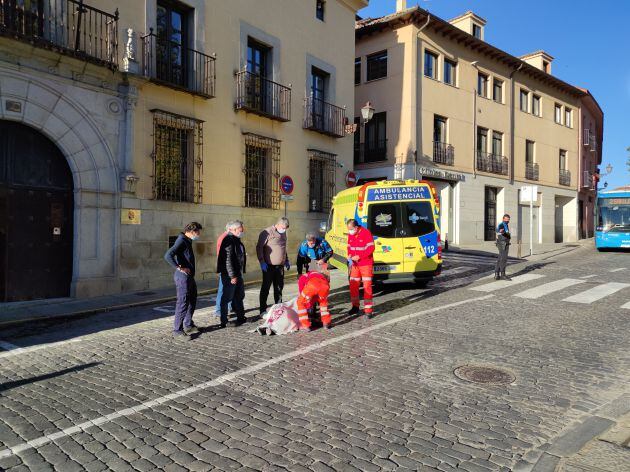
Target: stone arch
x,y
65,122
57,110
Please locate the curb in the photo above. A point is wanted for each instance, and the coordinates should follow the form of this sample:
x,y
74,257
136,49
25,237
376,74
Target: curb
x,y
577,435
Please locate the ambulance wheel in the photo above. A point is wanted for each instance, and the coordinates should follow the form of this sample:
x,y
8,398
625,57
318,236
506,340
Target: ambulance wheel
x,y
421,283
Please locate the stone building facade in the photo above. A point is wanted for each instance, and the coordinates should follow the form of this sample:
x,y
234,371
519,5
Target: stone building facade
x,y
166,112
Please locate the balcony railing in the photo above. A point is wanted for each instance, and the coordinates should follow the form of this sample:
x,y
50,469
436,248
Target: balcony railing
x,y
531,171
588,180
370,152
492,163
259,95
324,117
175,65
564,177
443,153
68,26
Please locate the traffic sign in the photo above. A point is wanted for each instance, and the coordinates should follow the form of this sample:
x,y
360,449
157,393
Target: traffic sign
x,y
351,179
287,198
286,185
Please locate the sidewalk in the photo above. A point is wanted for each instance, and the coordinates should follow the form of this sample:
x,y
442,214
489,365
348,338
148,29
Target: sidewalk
x,y
541,251
22,312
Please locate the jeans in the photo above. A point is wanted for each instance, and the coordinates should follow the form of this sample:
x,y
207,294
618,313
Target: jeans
x,y
273,276
217,307
234,294
186,288
503,245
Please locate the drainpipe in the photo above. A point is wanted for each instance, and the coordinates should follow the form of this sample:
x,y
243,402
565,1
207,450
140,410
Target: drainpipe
x,y
417,116
512,88
475,93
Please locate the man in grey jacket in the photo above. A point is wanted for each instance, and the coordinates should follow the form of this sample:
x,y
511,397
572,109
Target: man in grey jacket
x,y
271,251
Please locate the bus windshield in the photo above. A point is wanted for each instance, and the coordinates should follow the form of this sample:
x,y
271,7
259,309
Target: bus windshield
x,y
613,214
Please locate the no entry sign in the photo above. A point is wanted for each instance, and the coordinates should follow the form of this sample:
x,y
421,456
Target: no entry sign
x,y
351,179
286,185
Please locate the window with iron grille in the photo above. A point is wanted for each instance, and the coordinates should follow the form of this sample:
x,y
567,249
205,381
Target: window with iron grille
x,y
177,157
262,171
321,179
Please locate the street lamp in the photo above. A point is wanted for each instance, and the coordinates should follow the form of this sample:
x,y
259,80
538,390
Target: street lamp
x,y
367,112
609,169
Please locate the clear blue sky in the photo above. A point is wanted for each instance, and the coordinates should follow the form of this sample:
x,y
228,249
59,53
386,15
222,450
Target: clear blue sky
x,y
590,43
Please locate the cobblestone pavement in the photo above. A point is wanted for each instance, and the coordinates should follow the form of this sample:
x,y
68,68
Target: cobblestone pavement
x,y
116,392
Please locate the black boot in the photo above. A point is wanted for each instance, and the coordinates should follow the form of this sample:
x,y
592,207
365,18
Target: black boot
x,y
497,276
505,277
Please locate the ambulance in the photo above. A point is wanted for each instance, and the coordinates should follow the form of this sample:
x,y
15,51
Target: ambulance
x,y
403,217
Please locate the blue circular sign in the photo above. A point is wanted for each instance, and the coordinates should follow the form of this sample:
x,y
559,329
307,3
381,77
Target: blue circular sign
x,y
286,185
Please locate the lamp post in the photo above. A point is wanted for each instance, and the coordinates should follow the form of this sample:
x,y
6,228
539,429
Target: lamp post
x,y
367,112
609,169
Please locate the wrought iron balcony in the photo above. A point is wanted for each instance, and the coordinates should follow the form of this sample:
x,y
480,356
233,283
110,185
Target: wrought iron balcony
x,y
443,153
264,97
376,151
531,171
492,163
175,65
565,177
68,26
324,117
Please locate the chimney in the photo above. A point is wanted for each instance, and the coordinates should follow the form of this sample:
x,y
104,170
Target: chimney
x,y
540,60
401,5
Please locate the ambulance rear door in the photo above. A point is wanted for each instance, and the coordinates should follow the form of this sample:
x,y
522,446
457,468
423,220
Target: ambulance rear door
x,y
384,221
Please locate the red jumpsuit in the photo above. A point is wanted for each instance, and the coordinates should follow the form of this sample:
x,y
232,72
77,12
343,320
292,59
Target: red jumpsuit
x,y
361,244
314,288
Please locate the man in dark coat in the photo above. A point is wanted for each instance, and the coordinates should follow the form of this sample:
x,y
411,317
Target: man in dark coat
x,y
503,244
231,266
181,257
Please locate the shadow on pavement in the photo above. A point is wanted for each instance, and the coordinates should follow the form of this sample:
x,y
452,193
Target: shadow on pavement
x,y
18,383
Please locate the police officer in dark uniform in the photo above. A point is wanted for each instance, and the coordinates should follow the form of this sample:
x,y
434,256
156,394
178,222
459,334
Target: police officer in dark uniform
x,y
503,243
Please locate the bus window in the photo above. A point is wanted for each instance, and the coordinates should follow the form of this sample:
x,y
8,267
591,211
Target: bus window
x,y
383,219
418,217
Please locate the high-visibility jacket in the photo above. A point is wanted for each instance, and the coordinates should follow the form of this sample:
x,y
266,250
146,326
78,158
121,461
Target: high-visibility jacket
x,y
361,244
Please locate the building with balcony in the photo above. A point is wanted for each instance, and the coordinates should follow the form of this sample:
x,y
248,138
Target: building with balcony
x,y
476,121
591,141
153,113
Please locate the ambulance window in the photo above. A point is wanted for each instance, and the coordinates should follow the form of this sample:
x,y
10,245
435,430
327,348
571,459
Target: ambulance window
x,y
383,219
418,218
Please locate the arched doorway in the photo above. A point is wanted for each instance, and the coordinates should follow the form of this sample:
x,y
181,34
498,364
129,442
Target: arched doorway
x,y
36,216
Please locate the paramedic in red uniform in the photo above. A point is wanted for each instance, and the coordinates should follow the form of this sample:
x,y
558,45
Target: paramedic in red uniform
x,y
314,288
361,265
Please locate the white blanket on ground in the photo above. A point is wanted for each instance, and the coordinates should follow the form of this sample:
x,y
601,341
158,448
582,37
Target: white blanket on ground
x,y
281,318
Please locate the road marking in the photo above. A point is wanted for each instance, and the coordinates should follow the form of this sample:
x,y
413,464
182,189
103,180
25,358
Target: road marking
x,y
37,442
626,306
546,289
618,269
15,350
499,284
596,293
457,270
589,276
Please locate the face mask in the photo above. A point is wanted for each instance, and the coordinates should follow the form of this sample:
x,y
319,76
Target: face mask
x,y
281,230
352,231
311,245
240,235
195,238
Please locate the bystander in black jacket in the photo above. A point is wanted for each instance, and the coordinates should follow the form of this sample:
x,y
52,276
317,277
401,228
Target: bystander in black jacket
x,y
232,259
181,254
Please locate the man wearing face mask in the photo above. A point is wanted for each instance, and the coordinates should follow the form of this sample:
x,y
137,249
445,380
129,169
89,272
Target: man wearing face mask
x,y
181,257
313,249
271,251
231,266
360,266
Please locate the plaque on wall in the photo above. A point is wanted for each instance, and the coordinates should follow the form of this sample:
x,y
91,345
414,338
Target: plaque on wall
x,y
130,216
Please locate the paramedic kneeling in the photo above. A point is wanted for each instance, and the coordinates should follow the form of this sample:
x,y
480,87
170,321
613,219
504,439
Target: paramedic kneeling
x,y
314,288
361,266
